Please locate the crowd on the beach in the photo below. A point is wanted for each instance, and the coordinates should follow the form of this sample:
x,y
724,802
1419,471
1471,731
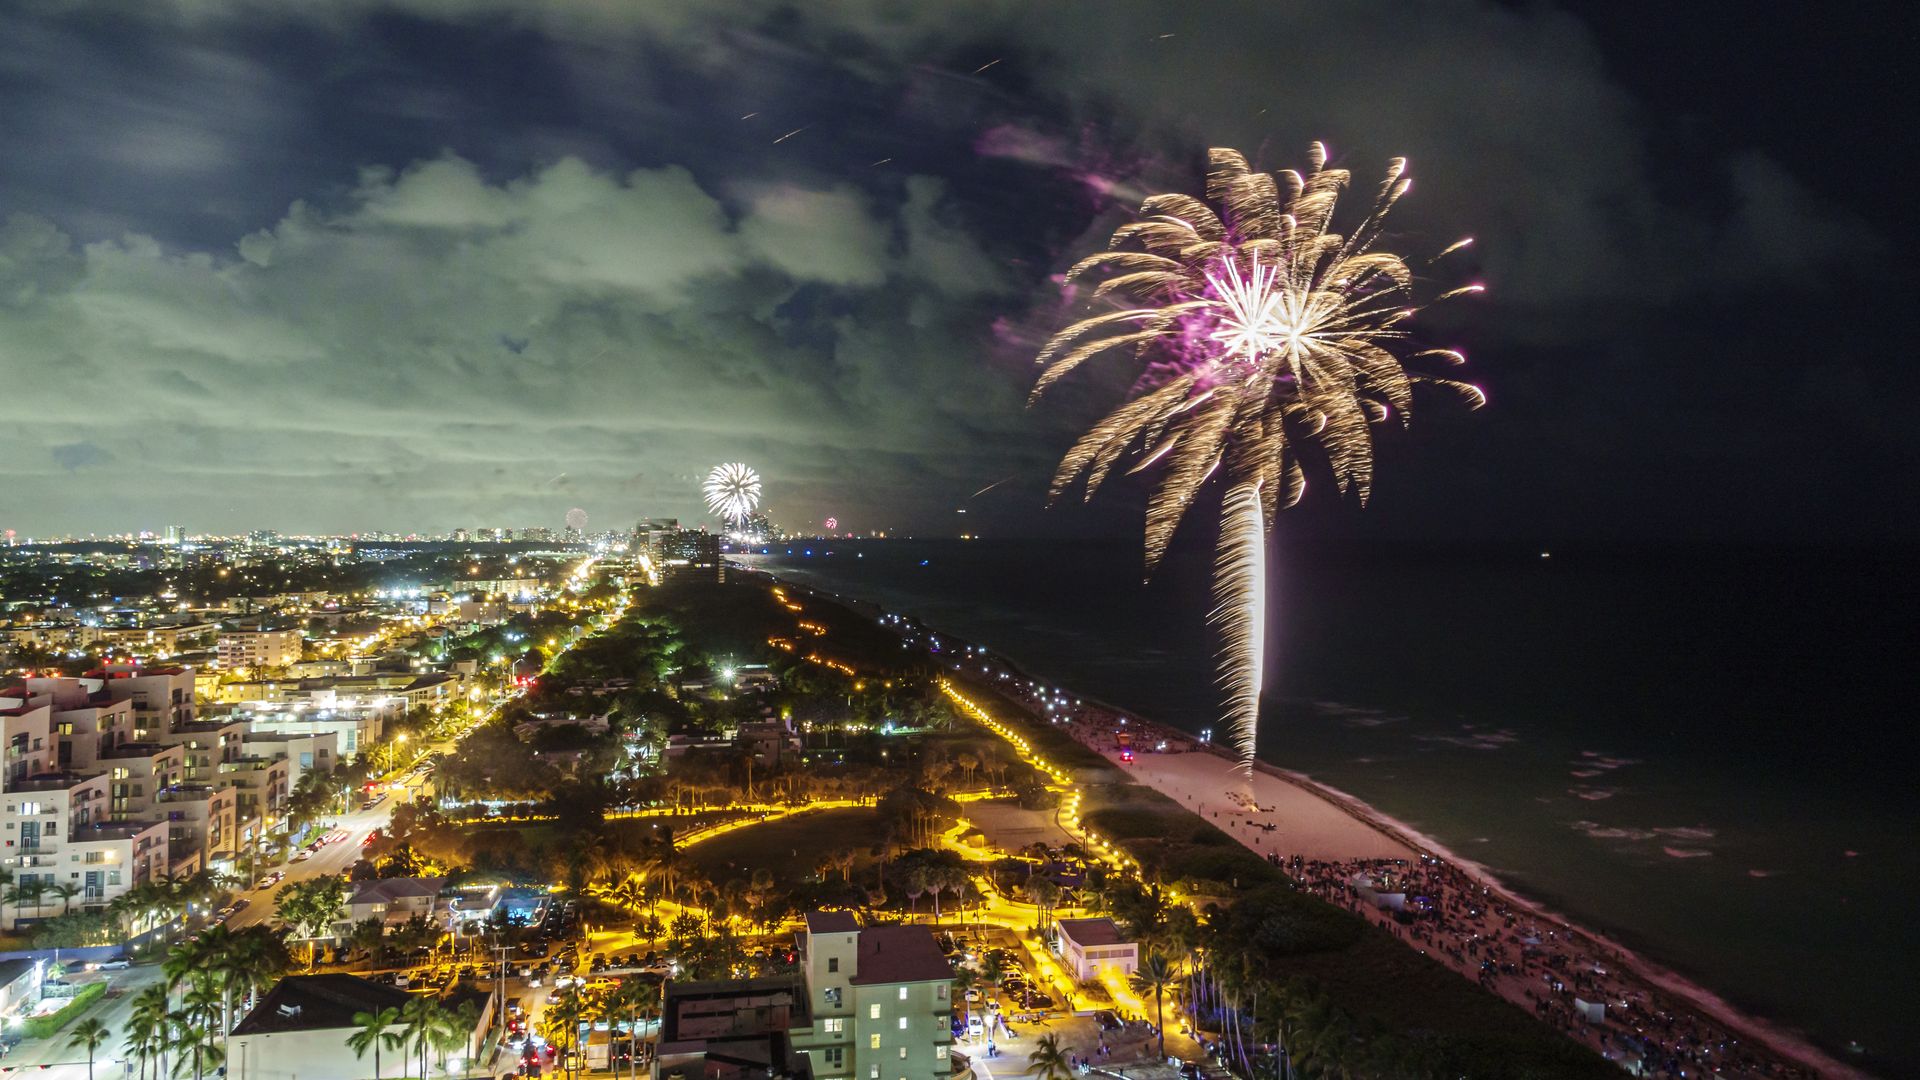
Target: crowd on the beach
x,y
1570,981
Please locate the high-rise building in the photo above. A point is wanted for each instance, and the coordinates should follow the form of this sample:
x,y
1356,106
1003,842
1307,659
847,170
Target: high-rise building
x,y
688,555
175,535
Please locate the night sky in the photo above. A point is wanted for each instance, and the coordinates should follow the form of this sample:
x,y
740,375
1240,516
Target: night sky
x,y
441,263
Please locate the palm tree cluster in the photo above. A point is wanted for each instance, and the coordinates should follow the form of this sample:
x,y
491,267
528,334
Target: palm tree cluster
x,y
138,910
311,906
1229,973
179,1027
423,1024
319,793
633,1001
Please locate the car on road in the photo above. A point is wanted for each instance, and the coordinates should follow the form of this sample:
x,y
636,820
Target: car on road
x,y
303,856
112,965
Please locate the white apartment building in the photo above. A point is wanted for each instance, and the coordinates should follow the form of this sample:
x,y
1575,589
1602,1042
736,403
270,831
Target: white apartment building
x,y
56,832
161,696
109,780
203,825
304,752
207,744
257,648
352,726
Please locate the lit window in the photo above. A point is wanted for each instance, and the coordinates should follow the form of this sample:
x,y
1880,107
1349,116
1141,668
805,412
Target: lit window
x,y
940,1052
903,1053
873,1042
873,1011
903,1023
835,1025
903,993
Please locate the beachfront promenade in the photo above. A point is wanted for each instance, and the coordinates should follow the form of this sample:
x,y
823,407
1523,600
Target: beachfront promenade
x,y
1647,1020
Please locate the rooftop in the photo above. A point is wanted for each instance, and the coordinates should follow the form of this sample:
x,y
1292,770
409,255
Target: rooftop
x,y
138,750
52,782
13,969
210,726
1092,932
189,793
112,830
387,890
713,1009
832,922
899,954
318,1003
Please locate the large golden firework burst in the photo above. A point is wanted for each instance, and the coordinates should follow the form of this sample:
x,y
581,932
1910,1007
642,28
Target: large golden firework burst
x,y
1277,331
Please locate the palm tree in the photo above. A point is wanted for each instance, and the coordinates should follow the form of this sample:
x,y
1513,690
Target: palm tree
x,y
195,1038
147,1026
203,1001
374,1033
965,980
1155,975
256,960
185,960
1048,1060
66,891
635,997
563,1019
23,893
88,1034
421,1018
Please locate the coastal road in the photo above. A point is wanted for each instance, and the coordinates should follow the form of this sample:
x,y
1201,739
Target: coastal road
x,y
334,858
53,1059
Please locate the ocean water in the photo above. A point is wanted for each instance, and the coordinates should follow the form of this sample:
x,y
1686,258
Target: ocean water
x,y
1706,753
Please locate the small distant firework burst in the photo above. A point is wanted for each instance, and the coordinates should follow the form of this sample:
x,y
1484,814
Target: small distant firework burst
x,y
831,524
576,519
732,491
1269,331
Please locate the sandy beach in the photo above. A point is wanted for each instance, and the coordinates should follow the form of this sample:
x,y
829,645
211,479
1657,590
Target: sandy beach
x,y
1329,841
1290,819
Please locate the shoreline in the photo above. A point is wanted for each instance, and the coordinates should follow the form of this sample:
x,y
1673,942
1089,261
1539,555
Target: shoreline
x,y
1789,1045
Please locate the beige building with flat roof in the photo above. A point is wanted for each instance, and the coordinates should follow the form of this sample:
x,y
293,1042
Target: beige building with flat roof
x,y
257,648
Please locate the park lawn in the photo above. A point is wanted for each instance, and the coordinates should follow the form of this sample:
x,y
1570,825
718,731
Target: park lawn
x,y
734,619
790,847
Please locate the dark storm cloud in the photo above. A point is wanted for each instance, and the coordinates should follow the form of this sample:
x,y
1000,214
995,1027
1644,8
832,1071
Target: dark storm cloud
x,y
401,265
71,456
